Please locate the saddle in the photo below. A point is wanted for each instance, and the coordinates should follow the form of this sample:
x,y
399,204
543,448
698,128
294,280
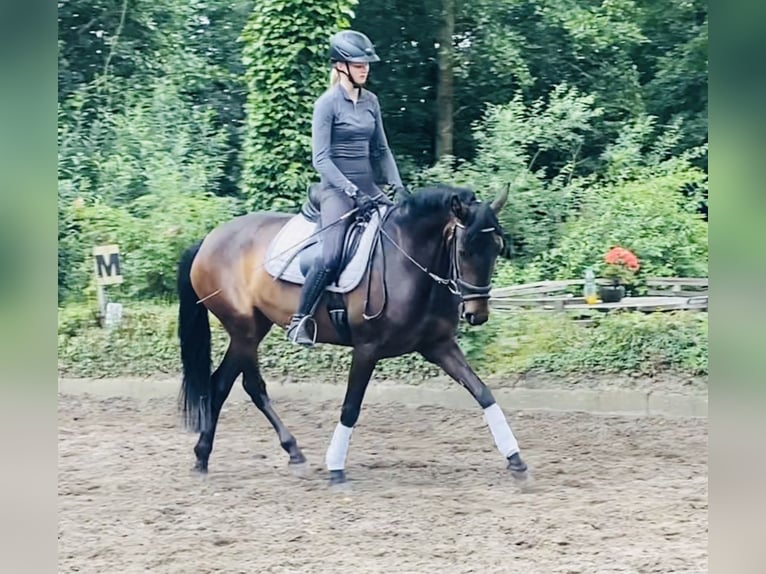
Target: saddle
x,y
297,245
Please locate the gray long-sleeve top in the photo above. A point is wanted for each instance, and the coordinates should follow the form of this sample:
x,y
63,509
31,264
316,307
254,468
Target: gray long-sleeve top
x,y
349,142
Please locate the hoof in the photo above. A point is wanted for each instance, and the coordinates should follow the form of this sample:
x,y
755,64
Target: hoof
x,y
520,473
338,479
297,458
200,467
518,467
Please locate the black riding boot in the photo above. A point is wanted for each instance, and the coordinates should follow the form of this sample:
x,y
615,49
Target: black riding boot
x,y
299,331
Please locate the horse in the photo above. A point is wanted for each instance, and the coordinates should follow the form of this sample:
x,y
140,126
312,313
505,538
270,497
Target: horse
x,y
431,266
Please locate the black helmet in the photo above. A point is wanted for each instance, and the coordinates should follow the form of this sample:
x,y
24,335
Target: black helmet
x,y
351,46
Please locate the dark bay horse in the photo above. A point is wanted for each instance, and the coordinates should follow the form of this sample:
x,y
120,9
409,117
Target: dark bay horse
x,y
433,263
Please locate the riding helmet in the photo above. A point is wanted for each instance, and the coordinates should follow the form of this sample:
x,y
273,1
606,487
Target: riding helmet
x,y
352,46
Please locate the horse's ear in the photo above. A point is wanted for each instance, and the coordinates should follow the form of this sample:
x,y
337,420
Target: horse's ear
x,y
500,200
457,207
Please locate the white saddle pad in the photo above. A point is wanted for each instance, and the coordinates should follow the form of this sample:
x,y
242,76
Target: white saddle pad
x,y
293,238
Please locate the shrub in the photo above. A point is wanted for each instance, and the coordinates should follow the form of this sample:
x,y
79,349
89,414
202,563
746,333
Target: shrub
x,y
510,343
620,342
152,232
651,217
140,173
511,139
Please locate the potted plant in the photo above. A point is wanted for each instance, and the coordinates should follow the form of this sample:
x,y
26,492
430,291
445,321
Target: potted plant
x,y
620,267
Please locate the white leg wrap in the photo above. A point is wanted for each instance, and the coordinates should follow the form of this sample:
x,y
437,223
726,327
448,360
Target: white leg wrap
x,y
336,452
501,431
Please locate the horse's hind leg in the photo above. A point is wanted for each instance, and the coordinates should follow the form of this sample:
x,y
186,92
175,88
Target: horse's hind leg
x,y
255,386
222,380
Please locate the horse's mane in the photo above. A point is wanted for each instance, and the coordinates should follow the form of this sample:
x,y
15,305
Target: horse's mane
x,y
428,201
435,202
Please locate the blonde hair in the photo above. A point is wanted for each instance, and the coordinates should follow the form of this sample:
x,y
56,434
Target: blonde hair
x,y
334,76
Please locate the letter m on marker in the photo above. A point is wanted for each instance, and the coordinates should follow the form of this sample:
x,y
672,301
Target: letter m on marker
x,y
107,261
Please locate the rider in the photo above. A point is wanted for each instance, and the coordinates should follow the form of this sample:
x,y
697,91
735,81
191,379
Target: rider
x,y
348,142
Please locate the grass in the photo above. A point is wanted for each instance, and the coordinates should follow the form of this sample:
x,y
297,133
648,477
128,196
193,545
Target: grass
x,y
145,344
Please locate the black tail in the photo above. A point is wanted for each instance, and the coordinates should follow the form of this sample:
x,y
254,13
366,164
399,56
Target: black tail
x,y
194,335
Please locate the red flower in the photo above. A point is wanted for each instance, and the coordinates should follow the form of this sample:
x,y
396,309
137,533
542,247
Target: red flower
x,y
622,256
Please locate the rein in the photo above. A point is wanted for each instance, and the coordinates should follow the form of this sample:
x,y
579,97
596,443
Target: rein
x,y
455,283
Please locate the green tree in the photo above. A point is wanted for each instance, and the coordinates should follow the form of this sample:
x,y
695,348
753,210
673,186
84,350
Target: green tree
x,y
405,35
674,68
285,56
511,139
110,50
499,48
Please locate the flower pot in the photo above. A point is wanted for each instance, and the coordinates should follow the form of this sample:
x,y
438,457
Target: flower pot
x,y
611,293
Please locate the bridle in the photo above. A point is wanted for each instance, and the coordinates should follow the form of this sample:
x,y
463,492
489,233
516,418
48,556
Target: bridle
x,y
467,291
455,283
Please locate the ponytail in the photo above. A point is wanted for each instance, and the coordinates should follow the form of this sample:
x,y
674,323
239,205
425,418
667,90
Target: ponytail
x,y
334,76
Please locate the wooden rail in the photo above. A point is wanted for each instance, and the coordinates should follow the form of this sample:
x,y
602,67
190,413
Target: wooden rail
x,y
665,294
677,286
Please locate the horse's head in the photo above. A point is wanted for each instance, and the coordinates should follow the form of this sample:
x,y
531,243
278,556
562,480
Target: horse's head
x,y
475,239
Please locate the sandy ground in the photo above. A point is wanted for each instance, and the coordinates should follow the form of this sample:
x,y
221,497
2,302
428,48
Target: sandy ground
x,y
429,493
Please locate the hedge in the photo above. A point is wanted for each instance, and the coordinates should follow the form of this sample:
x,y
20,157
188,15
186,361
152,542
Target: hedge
x,y
510,344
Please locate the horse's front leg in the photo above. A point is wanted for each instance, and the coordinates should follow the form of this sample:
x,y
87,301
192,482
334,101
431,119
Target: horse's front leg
x,y
362,366
448,355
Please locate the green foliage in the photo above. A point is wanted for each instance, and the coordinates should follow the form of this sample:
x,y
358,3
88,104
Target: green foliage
x,y
595,112
145,344
156,143
103,43
645,204
633,57
642,344
510,140
404,80
509,344
143,177
285,56
674,68
500,48
152,232
646,199
621,342
99,39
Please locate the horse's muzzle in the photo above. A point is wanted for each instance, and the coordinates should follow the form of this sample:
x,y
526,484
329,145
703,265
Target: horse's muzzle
x,y
476,318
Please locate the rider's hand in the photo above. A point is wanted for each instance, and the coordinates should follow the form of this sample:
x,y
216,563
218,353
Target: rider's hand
x,y
365,203
351,190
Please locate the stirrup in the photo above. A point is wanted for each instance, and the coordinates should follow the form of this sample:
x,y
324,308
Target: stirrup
x,y
297,331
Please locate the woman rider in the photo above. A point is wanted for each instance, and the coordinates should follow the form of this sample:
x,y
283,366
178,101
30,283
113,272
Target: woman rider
x,y
348,144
